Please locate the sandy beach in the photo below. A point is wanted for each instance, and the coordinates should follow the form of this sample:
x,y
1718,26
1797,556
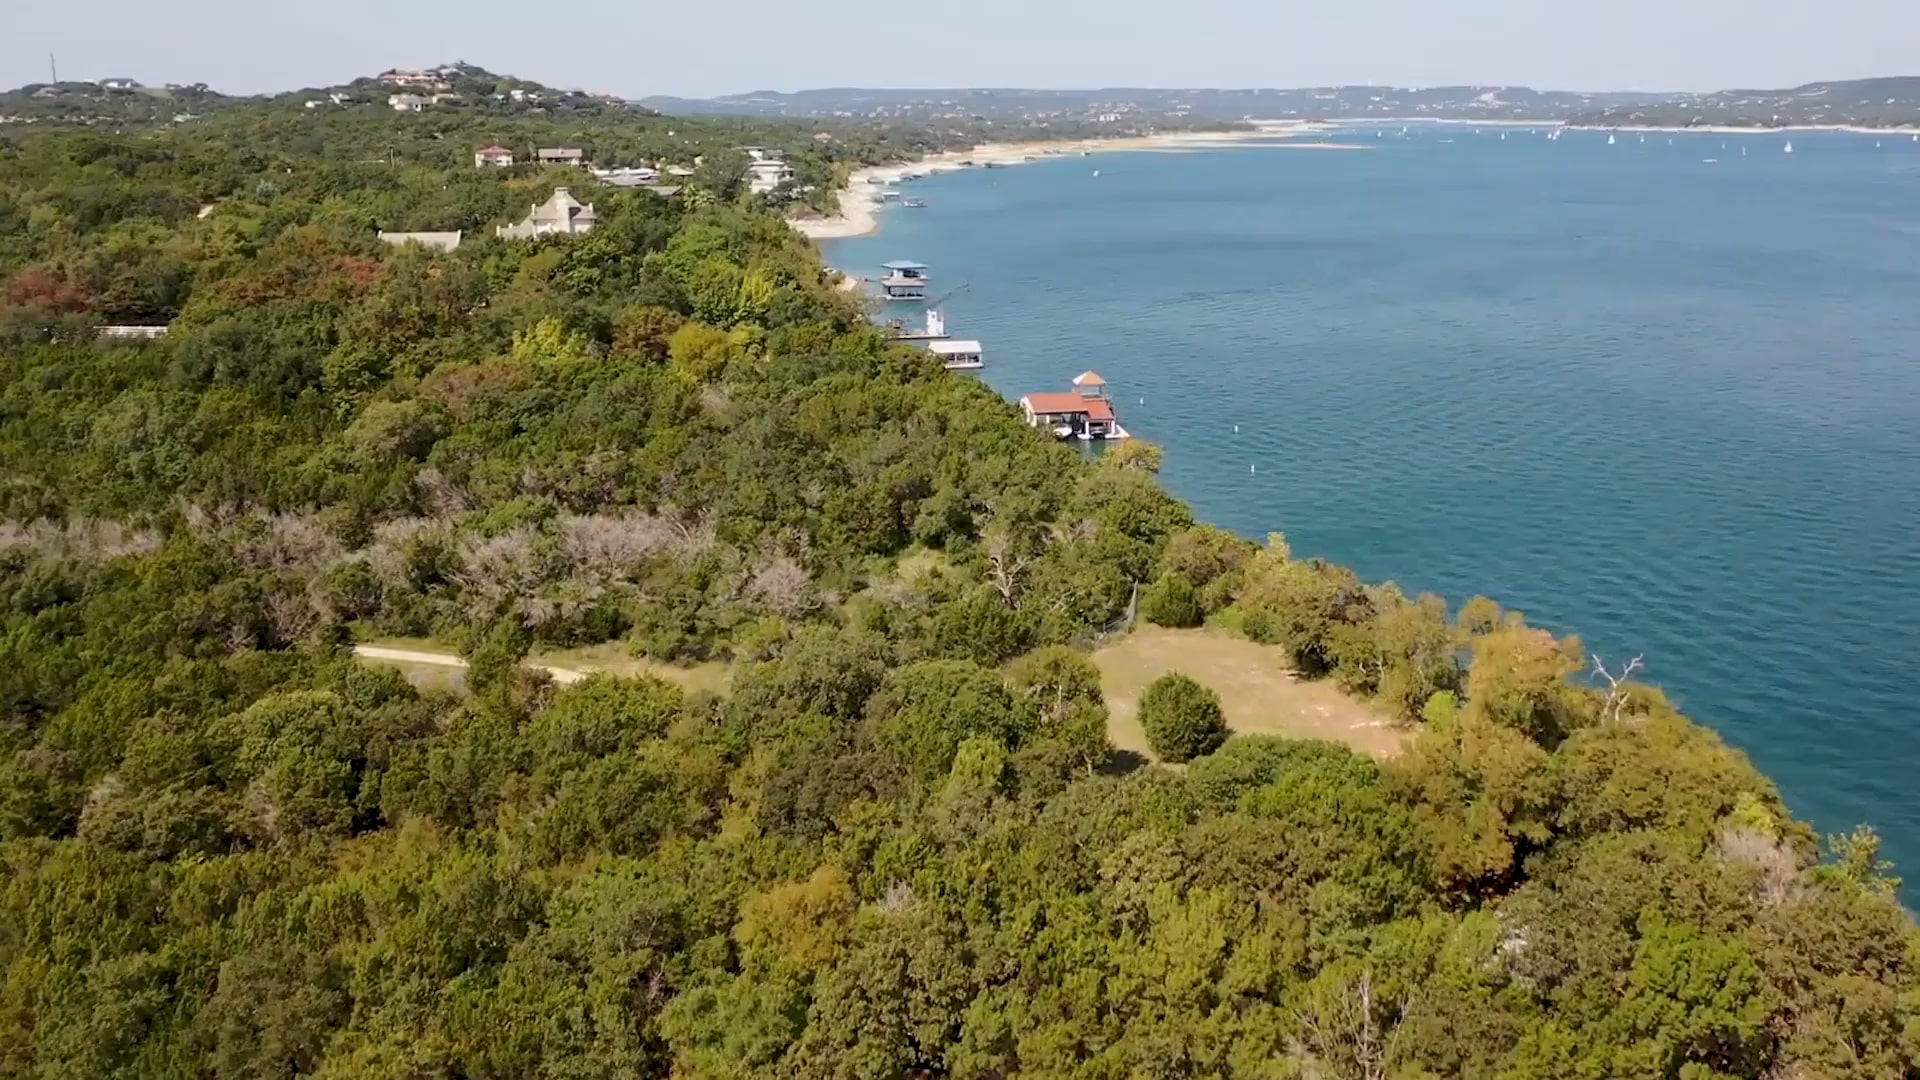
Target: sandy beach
x,y
860,202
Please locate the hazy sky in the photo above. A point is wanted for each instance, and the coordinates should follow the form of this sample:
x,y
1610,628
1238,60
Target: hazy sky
x,y
705,47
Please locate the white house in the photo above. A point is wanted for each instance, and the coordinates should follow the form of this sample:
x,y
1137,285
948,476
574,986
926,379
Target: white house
x,y
638,176
406,102
438,241
495,156
767,174
137,333
561,213
560,155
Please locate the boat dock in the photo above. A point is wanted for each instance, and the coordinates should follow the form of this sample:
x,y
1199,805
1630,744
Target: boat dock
x,y
904,281
1084,412
958,354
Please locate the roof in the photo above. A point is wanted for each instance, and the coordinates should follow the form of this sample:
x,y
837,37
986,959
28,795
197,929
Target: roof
x,y
945,348
561,206
1089,378
494,149
560,151
1069,404
903,264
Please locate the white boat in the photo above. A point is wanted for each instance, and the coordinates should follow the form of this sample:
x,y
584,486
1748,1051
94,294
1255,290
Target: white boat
x,y
1609,139
1789,148
1096,172
1709,161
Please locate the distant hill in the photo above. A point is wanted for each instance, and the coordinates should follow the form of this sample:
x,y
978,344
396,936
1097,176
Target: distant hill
x,y
1883,102
456,86
1345,102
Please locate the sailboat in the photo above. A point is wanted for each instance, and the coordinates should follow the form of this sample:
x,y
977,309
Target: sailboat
x,y
1609,139
1789,148
1643,140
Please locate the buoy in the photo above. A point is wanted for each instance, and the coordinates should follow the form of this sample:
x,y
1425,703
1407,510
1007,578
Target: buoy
x,y
1253,468
1236,429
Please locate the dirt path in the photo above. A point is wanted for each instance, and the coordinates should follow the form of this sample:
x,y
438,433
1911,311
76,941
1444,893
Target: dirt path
x,y
439,659
1258,692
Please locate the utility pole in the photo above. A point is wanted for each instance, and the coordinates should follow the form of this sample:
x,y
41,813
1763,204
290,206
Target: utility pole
x,y
53,69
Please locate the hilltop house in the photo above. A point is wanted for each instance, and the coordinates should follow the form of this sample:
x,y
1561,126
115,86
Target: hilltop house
x,y
560,155
561,213
492,156
434,80
406,102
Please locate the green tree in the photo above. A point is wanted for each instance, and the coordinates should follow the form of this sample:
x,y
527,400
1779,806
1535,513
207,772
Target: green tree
x,y
1171,601
1182,719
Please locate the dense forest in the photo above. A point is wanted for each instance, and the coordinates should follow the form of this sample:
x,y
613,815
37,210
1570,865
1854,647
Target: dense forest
x,y
899,843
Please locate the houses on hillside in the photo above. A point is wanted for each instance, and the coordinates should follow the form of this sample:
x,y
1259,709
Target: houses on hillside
x,y
433,79
492,157
560,155
561,213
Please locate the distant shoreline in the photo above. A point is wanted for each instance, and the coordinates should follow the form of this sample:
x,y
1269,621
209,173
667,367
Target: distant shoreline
x,y
1671,129
860,206
1736,129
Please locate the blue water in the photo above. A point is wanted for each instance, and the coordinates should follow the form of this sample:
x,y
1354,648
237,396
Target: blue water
x,y
1671,406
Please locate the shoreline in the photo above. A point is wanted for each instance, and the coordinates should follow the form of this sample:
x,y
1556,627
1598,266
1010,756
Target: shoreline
x,y
859,212
1671,129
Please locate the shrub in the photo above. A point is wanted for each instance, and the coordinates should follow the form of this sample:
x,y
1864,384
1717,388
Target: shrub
x,y
1182,718
1171,601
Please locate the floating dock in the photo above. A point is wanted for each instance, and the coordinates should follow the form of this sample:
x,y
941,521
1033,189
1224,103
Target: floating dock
x,y
904,281
958,354
1084,412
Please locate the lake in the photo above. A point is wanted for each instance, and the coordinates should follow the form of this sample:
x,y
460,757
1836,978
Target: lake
x,y
1668,404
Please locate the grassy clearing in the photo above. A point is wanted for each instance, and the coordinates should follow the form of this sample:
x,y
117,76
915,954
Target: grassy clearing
x,y
427,678
1258,692
613,658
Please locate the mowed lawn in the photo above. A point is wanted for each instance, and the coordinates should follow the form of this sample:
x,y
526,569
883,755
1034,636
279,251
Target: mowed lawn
x,y
1258,691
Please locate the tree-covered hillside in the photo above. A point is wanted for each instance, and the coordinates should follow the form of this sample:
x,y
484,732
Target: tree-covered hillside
x,y
898,844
